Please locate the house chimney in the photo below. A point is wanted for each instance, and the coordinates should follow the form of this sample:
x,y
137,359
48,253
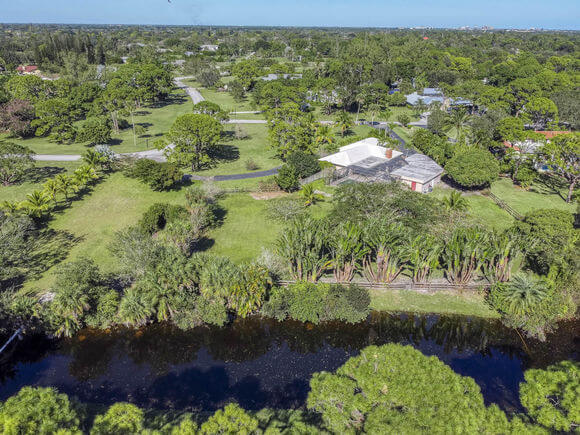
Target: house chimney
x,y
389,153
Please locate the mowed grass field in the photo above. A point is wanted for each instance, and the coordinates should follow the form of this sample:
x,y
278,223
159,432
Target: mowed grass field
x,y
116,203
537,197
33,181
233,155
467,304
157,120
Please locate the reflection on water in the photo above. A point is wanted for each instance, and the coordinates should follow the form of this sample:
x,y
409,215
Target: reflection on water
x,y
264,363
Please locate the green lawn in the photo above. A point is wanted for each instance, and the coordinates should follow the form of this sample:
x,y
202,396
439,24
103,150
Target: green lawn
x,y
156,120
115,203
235,154
42,172
247,228
226,101
539,196
468,304
481,208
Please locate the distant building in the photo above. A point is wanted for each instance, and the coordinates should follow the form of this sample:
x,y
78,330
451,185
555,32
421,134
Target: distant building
x,y
271,77
435,95
209,47
27,69
367,162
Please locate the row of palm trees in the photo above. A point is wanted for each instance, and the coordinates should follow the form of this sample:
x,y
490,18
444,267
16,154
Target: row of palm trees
x,y
381,251
39,202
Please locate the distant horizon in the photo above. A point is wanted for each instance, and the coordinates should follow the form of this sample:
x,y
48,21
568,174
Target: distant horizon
x,y
564,15
266,26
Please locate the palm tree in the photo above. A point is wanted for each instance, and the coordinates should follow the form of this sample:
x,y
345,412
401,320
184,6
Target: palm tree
x,y
359,99
458,120
347,251
521,295
504,255
66,184
424,254
343,121
93,158
386,113
455,201
84,175
9,207
464,254
324,135
134,308
308,193
52,189
374,111
69,306
37,203
386,253
302,245
248,292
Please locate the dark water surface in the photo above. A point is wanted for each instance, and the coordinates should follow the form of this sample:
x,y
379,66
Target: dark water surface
x,y
263,363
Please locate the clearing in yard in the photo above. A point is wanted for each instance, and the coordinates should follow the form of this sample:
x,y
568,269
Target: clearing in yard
x,y
34,179
156,119
116,203
544,193
467,304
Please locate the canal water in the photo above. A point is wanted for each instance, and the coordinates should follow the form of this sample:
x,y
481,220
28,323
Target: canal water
x,y
264,363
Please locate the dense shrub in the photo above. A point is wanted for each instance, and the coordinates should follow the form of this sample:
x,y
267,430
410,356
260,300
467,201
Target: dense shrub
x,y
308,302
159,215
40,411
304,164
158,176
474,168
287,178
549,237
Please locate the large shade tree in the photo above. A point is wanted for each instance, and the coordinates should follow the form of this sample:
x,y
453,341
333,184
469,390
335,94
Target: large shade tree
x,y
562,153
15,161
38,411
396,389
193,135
473,168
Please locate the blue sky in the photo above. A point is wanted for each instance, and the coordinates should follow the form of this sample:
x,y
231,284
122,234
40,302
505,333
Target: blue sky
x,y
555,14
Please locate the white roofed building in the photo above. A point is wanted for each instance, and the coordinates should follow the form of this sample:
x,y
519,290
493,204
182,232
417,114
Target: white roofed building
x,y
368,161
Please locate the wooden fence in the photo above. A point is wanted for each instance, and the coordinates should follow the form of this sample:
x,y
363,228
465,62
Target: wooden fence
x,y
425,288
325,173
502,204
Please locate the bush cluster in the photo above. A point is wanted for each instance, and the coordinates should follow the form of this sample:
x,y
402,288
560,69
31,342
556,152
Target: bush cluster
x,y
158,176
315,303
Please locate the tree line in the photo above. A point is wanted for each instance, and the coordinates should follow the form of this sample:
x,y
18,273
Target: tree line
x,y
389,388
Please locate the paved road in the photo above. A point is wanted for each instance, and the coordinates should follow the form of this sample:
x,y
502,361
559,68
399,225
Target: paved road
x,y
246,176
57,157
193,93
156,155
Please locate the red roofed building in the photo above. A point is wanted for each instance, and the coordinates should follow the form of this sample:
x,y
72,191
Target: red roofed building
x,y
530,146
27,69
551,134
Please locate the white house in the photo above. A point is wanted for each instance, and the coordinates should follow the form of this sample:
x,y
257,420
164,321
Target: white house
x,y
209,47
368,161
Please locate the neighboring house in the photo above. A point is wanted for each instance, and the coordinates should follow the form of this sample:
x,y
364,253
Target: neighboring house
x,y
428,96
209,47
271,77
366,161
435,95
27,70
529,146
